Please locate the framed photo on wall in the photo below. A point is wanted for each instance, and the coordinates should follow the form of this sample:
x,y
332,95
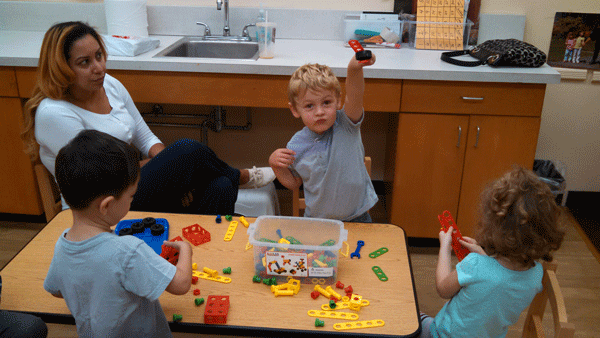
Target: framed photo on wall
x,y
575,41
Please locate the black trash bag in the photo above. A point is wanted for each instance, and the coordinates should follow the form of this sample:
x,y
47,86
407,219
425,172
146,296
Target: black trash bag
x,y
548,173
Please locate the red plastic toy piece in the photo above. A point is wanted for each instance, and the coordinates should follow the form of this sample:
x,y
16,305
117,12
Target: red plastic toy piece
x,y
339,285
194,279
196,234
349,289
196,292
362,55
216,310
447,221
171,254
315,294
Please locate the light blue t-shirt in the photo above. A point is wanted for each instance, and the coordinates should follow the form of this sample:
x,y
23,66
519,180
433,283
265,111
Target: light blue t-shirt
x,y
332,167
491,299
111,285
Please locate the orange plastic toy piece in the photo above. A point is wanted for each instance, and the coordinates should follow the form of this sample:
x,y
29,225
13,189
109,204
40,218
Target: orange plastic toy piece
x,y
196,234
216,310
171,254
447,221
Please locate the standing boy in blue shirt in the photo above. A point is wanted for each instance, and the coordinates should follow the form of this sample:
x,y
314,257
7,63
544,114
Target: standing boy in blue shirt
x,y
111,284
327,155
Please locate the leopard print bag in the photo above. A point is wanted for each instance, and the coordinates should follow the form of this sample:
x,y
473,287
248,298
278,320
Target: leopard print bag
x,y
496,53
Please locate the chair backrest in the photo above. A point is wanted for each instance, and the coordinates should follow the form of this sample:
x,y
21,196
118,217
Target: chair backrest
x,y
299,203
48,191
533,322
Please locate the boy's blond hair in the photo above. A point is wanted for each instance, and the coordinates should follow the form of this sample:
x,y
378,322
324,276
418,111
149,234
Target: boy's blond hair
x,y
519,219
314,77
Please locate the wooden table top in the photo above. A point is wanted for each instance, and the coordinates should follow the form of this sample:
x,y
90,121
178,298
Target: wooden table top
x,y
254,310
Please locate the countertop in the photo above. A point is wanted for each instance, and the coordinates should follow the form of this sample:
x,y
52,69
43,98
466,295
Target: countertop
x,y
21,49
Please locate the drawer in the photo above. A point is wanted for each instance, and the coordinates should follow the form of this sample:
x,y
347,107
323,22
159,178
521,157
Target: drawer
x,y
8,82
484,98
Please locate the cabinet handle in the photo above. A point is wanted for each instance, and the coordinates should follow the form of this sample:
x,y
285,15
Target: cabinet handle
x,y
469,98
459,134
477,137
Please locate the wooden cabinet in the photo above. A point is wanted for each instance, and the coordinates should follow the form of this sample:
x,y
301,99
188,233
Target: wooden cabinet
x,y
18,188
444,161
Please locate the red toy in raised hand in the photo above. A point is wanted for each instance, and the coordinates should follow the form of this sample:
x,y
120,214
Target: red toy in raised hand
x,y
362,55
447,221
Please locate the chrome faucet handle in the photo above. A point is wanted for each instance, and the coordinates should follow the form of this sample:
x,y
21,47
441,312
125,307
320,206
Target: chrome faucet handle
x,y
219,3
245,32
206,28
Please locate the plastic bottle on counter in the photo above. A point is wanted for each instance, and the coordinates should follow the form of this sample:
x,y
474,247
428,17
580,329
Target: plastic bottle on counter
x,y
260,17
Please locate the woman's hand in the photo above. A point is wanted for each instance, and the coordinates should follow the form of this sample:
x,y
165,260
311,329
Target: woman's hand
x,y
472,245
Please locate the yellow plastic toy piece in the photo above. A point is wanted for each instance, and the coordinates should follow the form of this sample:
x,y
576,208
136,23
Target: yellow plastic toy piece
x,y
346,249
244,222
355,302
333,293
283,292
264,261
248,246
322,291
344,304
333,314
283,241
319,263
194,266
230,231
210,272
359,325
292,285
204,275
320,281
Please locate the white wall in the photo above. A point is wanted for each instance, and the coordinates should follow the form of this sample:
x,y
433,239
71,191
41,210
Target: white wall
x,y
570,130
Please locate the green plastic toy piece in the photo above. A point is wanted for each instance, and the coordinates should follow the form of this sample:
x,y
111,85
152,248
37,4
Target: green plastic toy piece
x,y
378,252
267,240
228,218
292,240
365,32
329,243
319,322
332,304
256,279
177,318
199,301
227,270
382,277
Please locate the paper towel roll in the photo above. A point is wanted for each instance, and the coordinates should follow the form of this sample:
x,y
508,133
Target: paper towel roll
x,y
126,17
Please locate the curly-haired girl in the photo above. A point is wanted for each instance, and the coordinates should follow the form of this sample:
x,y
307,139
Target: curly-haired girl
x,y
491,287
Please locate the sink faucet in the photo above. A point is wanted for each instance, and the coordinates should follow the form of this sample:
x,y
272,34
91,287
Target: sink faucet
x,y
226,26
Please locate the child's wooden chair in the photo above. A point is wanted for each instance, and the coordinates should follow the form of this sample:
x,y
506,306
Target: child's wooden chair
x,y
299,203
48,191
551,292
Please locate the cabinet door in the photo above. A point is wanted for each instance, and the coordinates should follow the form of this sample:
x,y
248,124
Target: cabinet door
x,y
429,162
495,144
18,188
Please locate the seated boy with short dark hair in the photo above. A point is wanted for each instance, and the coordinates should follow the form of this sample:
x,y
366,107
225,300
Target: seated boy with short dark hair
x,y
111,284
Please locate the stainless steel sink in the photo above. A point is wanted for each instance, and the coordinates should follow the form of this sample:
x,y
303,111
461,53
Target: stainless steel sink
x,y
198,47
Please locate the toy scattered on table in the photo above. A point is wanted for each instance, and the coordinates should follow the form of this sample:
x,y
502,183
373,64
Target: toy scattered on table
x,y
292,287
322,291
194,266
199,301
217,308
319,322
150,230
346,249
355,302
228,218
196,292
362,55
332,304
177,318
320,281
196,234
348,290
359,324
447,221
356,252
169,253
380,274
315,294
344,304
227,271
210,274
218,219
248,246
333,314
269,281
194,280
378,252
230,231
256,279
332,292
244,221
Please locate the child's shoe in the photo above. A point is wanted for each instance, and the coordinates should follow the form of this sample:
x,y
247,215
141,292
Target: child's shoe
x,y
259,177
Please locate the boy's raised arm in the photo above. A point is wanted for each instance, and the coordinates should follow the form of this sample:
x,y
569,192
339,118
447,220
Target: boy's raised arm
x,y
355,88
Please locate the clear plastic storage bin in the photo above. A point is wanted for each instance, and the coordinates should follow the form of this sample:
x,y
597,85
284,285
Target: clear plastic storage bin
x,y
439,35
352,23
312,252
